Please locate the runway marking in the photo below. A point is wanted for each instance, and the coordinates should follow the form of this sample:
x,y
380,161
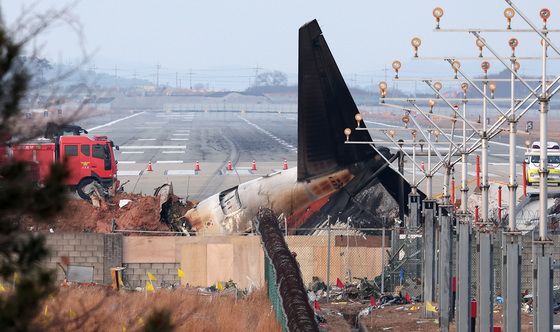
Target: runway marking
x,y
128,173
115,121
489,174
127,162
182,134
130,152
499,164
146,139
169,162
173,151
237,171
279,140
137,147
180,172
178,139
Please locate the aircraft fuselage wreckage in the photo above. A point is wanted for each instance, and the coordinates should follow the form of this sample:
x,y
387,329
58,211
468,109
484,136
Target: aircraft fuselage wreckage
x,y
325,164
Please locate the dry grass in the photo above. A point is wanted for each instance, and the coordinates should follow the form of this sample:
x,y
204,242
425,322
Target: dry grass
x,y
100,309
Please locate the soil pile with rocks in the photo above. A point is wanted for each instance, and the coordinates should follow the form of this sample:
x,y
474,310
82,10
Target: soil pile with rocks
x,y
141,213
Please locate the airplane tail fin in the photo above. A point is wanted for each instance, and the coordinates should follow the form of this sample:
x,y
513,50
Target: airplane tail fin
x,y
325,109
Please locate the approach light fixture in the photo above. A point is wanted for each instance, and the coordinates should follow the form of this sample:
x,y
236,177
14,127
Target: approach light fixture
x,y
383,90
485,65
465,88
513,43
431,103
438,13
509,13
436,134
347,132
416,42
391,133
358,118
492,87
545,15
438,86
396,66
516,66
480,44
405,119
455,111
456,65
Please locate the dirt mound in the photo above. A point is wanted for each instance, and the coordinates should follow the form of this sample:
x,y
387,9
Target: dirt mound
x,y
141,213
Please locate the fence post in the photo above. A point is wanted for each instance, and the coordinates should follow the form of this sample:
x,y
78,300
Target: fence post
x,y
383,257
329,263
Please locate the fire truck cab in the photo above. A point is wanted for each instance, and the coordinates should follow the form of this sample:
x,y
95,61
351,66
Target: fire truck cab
x,y
88,159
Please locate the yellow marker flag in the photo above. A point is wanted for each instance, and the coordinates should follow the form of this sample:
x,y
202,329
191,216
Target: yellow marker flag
x,y
140,322
180,273
2,288
150,287
219,286
430,307
151,277
71,314
46,311
124,328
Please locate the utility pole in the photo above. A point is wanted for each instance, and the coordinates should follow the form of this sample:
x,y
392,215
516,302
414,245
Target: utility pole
x,y
116,71
257,68
157,75
190,79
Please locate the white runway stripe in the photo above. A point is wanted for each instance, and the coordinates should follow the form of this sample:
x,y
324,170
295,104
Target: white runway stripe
x,y
115,121
128,173
173,151
180,172
138,147
127,162
169,161
146,139
132,152
178,139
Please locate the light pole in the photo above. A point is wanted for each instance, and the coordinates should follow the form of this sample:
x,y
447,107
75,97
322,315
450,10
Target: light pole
x,y
464,232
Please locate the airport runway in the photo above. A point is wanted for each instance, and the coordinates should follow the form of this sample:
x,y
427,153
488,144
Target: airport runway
x,y
174,141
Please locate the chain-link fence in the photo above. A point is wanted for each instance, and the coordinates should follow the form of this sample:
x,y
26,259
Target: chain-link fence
x,y
331,258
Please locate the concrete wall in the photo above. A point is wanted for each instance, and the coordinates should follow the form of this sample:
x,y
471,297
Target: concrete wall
x,y
101,251
206,260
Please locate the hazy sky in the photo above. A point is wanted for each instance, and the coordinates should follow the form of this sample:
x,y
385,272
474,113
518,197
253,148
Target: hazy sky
x,y
229,36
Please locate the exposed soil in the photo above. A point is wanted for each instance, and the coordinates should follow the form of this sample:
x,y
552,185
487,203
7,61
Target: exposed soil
x,y
142,213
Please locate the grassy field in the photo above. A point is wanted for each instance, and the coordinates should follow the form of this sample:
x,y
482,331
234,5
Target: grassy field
x,y
100,309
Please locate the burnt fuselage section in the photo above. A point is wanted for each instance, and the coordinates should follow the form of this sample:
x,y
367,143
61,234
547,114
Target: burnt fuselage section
x,y
232,210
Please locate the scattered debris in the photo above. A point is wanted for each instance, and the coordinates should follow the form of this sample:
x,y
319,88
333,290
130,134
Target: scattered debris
x,y
141,213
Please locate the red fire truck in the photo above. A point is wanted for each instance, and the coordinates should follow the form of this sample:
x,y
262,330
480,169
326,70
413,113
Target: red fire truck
x,y
88,159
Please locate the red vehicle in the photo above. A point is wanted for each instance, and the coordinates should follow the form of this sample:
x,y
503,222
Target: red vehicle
x,y
88,159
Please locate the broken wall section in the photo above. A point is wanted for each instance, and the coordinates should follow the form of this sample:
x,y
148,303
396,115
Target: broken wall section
x,y
100,251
